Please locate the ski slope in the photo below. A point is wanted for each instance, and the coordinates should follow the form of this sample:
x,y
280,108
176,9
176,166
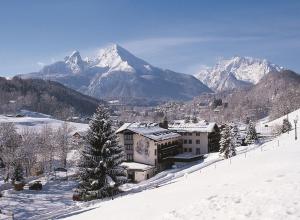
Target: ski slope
x,y
262,184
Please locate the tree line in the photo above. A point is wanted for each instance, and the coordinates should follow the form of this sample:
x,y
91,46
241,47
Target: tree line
x,y
34,152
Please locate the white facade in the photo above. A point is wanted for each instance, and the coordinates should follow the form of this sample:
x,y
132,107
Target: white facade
x,y
146,144
195,142
138,172
195,135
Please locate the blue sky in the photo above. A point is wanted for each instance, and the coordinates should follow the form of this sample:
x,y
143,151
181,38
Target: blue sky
x,y
182,35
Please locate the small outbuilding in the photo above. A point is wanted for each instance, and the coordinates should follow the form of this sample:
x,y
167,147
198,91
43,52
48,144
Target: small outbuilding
x,y
137,172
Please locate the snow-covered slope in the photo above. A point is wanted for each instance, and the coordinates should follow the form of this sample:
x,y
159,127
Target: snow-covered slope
x,y
236,72
264,184
37,122
114,72
278,122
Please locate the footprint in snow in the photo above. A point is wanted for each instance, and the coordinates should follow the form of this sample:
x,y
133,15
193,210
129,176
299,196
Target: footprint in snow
x,y
237,200
290,211
248,214
212,197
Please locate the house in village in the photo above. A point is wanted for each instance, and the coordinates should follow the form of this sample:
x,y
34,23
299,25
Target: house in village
x,y
148,148
198,137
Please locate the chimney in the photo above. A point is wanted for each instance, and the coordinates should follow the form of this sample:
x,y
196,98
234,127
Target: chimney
x,y
164,124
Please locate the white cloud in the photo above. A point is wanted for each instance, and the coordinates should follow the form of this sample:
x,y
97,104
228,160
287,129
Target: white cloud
x,y
194,68
155,45
41,64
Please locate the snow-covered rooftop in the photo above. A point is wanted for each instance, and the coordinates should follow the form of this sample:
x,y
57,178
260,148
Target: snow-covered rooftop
x,y
136,166
201,126
149,130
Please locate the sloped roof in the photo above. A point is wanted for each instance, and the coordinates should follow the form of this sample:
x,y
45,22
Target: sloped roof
x,y
149,130
136,166
201,126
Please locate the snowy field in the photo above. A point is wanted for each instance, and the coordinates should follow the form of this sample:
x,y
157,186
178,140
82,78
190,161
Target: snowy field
x,y
265,126
38,121
263,184
55,200
29,204
291,117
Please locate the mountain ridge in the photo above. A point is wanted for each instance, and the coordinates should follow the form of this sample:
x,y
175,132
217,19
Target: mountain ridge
x,y
236,73
115,72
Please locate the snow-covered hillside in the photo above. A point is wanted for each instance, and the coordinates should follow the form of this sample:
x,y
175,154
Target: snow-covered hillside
x,y
267,126
38,121
114,72
264,184
261,182
236,72
291,116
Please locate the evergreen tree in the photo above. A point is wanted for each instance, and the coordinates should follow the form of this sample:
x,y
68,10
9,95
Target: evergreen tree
x,y
286,126
251,135
100,172
236,136
18,173
227,147
187,119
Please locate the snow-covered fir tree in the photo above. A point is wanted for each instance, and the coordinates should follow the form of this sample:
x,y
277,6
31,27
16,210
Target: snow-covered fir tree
x,y
100,170
227,147
286,126
236,135
18,174
251,135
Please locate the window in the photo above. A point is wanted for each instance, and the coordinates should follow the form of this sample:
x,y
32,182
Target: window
x,y
197,133
155,162
197,141
129,157
128,147
190,141
190,134
197,151
190,149
185,141
155,152
128,136
185,149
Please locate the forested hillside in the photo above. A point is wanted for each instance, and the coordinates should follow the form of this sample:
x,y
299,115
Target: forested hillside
x,y
43,96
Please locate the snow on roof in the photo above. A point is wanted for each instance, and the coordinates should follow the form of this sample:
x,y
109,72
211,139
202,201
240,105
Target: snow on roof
x,y
149,130
136,166
201,126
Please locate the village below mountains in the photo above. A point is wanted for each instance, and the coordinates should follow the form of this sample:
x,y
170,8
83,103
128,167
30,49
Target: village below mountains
x,y
82,135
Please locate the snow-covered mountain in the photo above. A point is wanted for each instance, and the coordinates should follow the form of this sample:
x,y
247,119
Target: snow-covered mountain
x,y
116,73
236,72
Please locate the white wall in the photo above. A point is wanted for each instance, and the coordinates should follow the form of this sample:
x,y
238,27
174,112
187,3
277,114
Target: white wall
x,y
120,139
142,175
203,142
143,142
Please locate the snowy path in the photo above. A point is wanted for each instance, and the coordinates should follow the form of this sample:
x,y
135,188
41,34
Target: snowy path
x,y
264,185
